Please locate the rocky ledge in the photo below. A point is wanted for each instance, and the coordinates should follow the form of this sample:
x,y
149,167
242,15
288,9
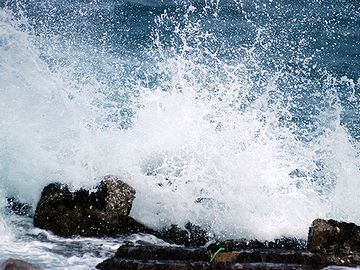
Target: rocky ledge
x,y
104,211
329,243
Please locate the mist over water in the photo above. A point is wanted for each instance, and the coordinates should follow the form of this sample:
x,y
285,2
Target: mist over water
x,y
240,116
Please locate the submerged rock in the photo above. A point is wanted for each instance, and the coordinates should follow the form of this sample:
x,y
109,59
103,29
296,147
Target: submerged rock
x,y
103,212
14,264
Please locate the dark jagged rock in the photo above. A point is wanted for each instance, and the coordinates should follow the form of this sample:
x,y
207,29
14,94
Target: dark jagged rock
x,y
103,212
191,236
338,241
13,264
20,208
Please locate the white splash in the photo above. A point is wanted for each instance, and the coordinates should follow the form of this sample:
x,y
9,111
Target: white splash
x,y
212,142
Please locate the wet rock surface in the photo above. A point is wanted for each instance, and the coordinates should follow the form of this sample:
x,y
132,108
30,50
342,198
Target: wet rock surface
x,y
194,265
191,236
243,244
102,212
338,242
14,264
330,236
153,252
329,243
160,257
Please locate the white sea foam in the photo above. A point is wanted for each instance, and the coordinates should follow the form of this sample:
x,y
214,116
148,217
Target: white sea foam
x,y
212,141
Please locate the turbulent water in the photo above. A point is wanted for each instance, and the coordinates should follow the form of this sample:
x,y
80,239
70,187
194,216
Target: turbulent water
x,y
240,116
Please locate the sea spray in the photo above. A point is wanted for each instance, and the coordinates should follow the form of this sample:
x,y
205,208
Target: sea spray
x,y
224,136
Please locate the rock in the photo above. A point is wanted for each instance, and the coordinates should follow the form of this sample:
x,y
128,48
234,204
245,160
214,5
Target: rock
x,y
20,208
191,236
13,264
338,241
242,244
271,256
165,257
330,243
279,251
193,265
154,252
103,212
333,237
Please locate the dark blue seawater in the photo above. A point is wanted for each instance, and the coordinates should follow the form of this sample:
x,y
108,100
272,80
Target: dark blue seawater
x,y
253,106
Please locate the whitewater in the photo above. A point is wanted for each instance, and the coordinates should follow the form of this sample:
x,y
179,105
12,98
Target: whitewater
x,y
242,117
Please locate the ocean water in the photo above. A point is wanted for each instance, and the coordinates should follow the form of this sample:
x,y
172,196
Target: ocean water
x,y
240,116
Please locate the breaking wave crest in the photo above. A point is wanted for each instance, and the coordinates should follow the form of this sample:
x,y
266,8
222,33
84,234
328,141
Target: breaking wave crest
x,y
225,136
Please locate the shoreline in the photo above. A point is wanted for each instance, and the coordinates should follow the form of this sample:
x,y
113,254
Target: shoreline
x,y
103,212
